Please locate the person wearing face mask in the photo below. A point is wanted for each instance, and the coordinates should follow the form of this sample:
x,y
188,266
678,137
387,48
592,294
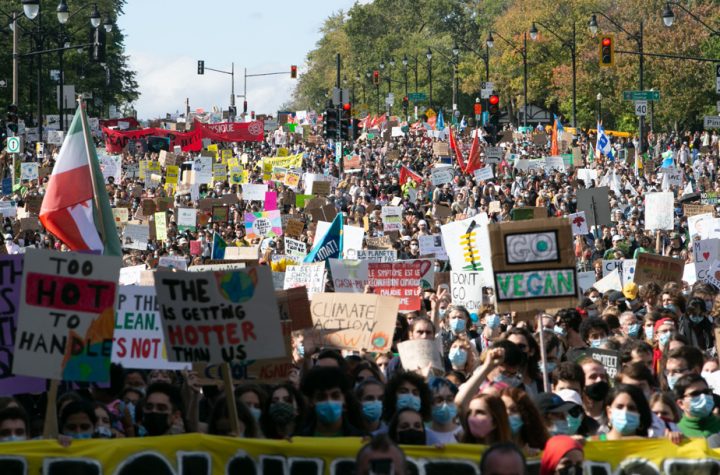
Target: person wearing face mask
x,y
595,390
485,421
695,326
662,332
491,329
567,326
526,423
370,393
629,325
407,391
334,410
284,412
628,413
219,423
13,424
407,428
594,331
563,455
77,421
443,429
162,411
461,357
254,398
695,399
457,323
555,414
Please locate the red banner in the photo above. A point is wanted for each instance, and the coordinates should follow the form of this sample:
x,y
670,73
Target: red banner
x,y
116,140
132,122
232,131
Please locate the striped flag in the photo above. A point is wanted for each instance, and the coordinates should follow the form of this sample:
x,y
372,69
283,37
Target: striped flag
x,y
76,207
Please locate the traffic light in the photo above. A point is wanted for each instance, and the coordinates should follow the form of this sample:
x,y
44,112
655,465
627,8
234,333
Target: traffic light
x,y
405,105
607,52
376,77
346,122
330,123
244,107
355,129
201,68
99,44
293,71
494,113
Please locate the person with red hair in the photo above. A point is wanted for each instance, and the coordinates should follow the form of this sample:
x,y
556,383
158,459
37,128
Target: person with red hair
x,y
563,455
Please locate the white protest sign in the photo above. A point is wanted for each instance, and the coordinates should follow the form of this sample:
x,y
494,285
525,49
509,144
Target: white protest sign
x,y
376,255
609,282
131,275
297,250
554,163
136,236
587,175
705,252
392,218
440,176
609,265
138,341
111,166
628,271
659,211
254,192
186,219
353,237
417,355
703,226
578,223
202,170
586,280
484,174
466,290
689,274
432,246
467,244
671,177
173,262
311,276
349,275
219,317
29,171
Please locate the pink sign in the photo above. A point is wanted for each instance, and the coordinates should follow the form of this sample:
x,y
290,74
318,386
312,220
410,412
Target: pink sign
x,y
270,200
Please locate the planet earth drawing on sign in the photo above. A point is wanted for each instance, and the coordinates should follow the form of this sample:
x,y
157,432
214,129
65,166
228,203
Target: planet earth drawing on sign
x,y
237,287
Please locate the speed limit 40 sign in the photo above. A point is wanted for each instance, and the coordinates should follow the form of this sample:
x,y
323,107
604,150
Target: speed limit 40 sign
x,y
14,145
641,108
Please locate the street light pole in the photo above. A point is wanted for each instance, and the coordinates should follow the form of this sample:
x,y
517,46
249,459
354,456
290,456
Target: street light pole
x,y
490,42
429,58
599,98
405,65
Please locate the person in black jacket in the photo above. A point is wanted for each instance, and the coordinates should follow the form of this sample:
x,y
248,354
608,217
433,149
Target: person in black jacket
x,y
695,325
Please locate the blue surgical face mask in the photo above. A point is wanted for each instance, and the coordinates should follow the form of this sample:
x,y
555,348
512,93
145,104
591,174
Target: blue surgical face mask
x,y
408,401
444,413
559,428
441,312
574,424
696,318
709,304
672,379
372,410
671,307
457,356
80,435
256,413
492,321
664,338
634,330
625,422
560,331
701,405
103,432
549,366
457,325
329,412
516,423
649,333
13,438
300,347
598,343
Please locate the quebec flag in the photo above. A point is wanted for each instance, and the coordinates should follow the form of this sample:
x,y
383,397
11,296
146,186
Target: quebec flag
x,y
603,143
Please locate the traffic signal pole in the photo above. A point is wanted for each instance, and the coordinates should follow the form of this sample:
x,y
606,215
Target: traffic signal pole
x,y
339,109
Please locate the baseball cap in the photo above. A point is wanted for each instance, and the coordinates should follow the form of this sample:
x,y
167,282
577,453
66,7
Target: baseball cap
x,y
570,395
616,237
552,403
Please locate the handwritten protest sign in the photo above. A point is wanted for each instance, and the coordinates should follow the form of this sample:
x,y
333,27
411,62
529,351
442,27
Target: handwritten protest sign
x,y
349,275
172,262
10,280
418,355
376,255
468,246
139,341
263,224
161,226
659,211
579,223
690,209
432,246
312,276
466,289
254,192
186,219
67,314
442,175
216,317
402,279
295,249
484,173
353,322
658,269
392,218
705,252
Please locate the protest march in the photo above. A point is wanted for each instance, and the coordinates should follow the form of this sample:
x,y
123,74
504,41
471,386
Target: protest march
x,y
329,291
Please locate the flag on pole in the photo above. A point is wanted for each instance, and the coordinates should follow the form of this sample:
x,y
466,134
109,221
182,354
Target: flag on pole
x,y
218,247
474,156
456,149
76,207
406,173
591,154
440,124
330,246
603,143
554,138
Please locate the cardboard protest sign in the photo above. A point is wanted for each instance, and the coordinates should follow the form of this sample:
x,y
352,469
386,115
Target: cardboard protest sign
x,y
67,309
312,276
220,214
705,252
138,340
263,224
466,289
691,209
380,242
216,317
297,250
441,149
402,279
578,223
349,275
320,188
659,211
468,245
534,264
10,281
418,355
658,269
294,227
353,322
595,202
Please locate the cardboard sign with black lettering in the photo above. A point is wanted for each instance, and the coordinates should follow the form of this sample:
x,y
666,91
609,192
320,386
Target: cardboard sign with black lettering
x,y
533,263
658,269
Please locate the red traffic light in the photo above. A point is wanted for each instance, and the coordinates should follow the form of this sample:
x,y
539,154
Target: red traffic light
x,y
606,41
293,71
347,106
494,100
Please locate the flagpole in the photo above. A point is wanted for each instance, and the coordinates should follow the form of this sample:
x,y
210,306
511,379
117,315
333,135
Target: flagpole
x,y
93,178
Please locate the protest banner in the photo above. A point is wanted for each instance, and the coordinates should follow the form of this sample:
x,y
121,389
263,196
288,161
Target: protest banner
x,y
419,355
351,162
578,223
628,271
216,317
432,246
659,211
466,289
263,224
186,219
554,163
610,359
297,250
353,321
595,202
312,276
534,264
131,275
587,175
138,340
67,314
402,279
468,245
323,456
349,275
249,253
658,269
226,266
10,280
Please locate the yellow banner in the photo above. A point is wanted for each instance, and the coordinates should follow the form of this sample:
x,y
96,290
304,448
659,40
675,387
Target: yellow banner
x,y
212,455
291,161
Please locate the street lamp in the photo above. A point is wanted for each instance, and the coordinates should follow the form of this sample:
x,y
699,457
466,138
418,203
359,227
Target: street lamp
x,y
669,17
523,51
95,17
572,46
593,25
456,53
107,24
490,42
429,56
31,8
599,98
62,12
405,65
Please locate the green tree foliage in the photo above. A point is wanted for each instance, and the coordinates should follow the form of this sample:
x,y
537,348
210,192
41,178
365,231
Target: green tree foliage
x,y
370,33
111,83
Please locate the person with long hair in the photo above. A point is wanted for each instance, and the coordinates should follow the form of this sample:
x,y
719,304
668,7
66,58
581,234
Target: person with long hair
x,y
526,424
485,421
284,412
407,428
407,390
462,357
370,393
628,413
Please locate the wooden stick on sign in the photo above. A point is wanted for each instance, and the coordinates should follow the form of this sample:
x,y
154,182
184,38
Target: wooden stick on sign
x,y
50,429
230,399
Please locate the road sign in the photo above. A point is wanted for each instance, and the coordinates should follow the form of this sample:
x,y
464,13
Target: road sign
x,y
487,85
711,122
14,145
641,95
717,78
336,96
485,93
417,96
338,151
641,108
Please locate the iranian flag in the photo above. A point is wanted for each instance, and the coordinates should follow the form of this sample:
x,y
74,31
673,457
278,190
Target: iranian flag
x,y
76,207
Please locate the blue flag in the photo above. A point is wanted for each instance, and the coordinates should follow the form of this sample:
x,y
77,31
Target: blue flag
x,y
668,161
603,143
218,247
330,246
440,124
559,124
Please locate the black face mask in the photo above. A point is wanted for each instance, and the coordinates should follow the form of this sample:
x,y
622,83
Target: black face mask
x,y
598,391
155,423
411,437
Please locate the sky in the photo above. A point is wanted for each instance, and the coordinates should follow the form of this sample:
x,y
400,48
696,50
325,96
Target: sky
x,y
164,41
